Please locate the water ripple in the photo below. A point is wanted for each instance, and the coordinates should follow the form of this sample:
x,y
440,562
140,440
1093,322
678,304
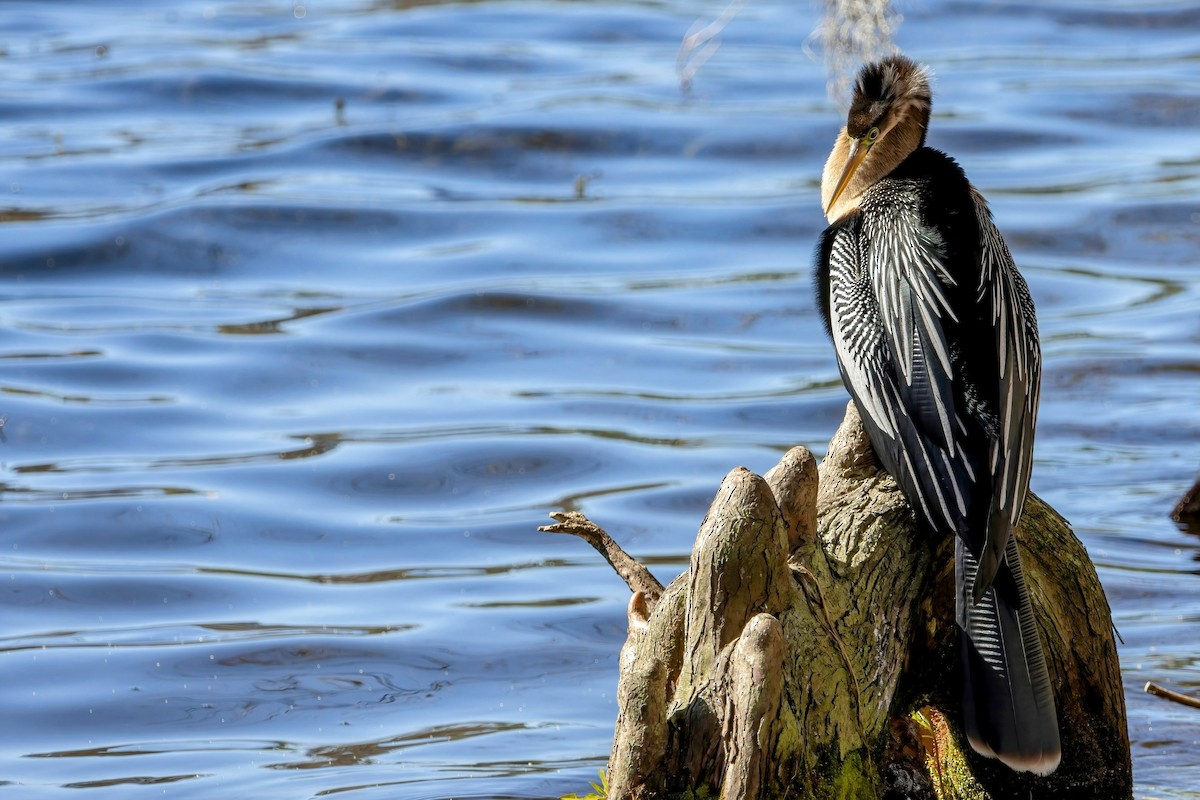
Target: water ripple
x,y
311,312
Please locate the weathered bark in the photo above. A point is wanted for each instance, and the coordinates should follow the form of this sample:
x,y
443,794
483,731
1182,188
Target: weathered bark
x,y
813,621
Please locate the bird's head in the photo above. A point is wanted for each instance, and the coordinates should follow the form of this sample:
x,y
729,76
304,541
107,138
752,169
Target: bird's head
x,y
887,122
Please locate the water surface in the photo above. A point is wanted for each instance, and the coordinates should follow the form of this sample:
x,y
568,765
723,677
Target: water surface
x,y
310,314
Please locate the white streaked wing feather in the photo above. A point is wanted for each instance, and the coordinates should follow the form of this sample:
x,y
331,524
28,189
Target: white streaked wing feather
x,y
910,281
1003,290
858,344
882,330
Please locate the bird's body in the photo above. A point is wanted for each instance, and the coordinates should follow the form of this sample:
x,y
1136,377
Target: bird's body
x,y
937,343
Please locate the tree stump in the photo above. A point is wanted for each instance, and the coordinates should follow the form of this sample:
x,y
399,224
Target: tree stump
x,y
810,651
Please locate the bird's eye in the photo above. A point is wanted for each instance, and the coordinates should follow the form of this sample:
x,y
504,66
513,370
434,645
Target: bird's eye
x,y
872,135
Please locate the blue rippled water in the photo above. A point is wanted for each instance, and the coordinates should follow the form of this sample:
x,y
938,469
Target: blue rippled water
x,y
309,314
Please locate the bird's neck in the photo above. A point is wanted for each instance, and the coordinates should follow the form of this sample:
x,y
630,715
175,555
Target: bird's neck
x,y
887,154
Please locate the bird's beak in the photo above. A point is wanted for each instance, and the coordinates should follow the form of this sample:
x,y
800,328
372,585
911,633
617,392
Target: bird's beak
x,y
858,151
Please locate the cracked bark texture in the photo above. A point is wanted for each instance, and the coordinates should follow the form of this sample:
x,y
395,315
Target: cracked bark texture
x,y
813,620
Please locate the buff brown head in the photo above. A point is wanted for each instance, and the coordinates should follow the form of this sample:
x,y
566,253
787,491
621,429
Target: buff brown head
x,y
888,118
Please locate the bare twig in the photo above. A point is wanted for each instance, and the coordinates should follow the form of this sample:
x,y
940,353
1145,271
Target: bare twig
x,y
1175,697
636,576
701,42
853,32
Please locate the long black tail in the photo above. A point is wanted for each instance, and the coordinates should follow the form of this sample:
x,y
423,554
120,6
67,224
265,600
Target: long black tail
x,y
1008,703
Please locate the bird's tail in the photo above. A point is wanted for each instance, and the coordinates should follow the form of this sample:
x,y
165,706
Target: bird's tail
x,y
1008,703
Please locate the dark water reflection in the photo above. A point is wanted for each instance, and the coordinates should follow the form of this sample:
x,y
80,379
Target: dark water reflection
x,y
310,314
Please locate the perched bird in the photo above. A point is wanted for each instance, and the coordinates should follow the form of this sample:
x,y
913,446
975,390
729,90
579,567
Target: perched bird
x,y
937,343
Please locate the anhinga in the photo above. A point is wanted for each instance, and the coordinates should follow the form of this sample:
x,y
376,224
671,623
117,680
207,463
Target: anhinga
x,y
937,343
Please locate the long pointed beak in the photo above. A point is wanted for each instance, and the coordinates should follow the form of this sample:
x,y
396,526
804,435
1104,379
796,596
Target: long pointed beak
x,y
858,151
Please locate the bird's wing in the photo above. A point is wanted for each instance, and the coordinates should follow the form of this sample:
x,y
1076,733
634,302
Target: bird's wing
x,y
886,315
1004,296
